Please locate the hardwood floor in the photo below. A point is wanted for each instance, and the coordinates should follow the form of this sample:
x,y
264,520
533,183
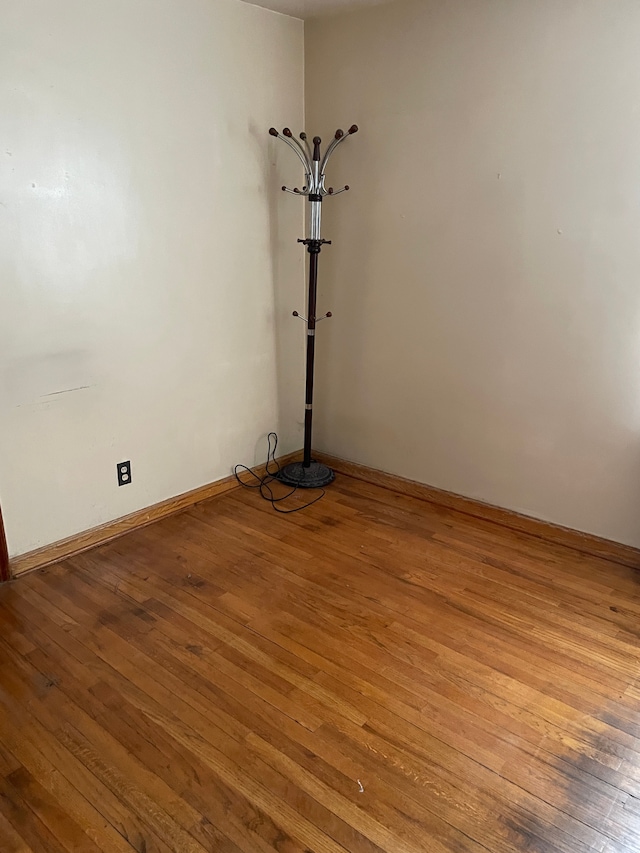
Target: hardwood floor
x,y
372,674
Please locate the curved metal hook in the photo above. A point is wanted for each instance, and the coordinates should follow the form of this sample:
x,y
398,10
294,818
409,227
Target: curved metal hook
x,y
302,148
296,191
338,138
295,146
307,145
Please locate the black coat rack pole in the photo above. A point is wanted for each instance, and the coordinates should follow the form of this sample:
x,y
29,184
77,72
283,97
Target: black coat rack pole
x,y
311,351
309,474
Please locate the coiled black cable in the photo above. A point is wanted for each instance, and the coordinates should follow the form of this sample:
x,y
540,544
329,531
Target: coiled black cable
x,y
272,469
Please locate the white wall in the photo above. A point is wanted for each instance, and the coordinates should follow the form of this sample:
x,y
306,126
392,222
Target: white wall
x,y
485,272
145,252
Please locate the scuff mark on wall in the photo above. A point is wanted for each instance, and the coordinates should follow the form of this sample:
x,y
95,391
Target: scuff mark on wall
x,y
68,390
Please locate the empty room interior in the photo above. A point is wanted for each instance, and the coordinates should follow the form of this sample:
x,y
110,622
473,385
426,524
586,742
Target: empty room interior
x,y
319,426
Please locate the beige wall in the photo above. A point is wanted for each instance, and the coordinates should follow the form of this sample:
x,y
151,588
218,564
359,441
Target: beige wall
x,y
145,253
485,272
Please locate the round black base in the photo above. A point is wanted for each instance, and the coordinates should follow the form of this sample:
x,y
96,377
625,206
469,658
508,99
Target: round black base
x,y
315,476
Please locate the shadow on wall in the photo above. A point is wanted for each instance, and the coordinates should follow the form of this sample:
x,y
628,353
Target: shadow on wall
x,y
286,275
346,341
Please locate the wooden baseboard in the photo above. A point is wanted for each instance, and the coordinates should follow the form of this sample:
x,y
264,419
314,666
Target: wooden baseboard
x,y
586,543
113,529
4,554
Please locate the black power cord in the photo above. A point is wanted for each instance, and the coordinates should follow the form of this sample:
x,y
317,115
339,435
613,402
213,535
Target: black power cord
x,y
263,483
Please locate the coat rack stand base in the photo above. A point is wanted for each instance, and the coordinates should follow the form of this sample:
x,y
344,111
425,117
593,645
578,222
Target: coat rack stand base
x,y
314,476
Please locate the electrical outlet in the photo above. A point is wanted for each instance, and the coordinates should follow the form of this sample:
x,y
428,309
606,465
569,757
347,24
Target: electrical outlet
x,y
124,473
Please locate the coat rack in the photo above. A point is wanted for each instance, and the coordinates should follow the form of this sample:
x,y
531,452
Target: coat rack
x,y
310,474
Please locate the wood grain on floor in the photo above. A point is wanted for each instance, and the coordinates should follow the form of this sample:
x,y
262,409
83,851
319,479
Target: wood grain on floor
x,y
372,674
